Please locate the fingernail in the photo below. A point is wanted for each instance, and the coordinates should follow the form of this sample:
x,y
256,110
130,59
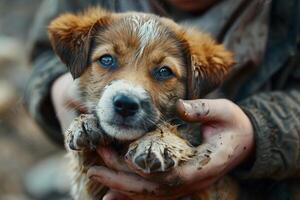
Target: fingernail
x,y
186,106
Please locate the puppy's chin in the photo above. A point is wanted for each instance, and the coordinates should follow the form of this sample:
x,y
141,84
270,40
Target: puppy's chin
x,y
122,132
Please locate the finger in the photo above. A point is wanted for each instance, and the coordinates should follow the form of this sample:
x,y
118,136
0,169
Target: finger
x,y
114,195
204,110
121,181
112,159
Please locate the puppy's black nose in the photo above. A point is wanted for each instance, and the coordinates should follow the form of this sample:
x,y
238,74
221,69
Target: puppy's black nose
x,y
125,106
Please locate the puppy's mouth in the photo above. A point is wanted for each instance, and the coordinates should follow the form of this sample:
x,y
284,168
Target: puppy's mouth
x,y
122,125
126,111
122,131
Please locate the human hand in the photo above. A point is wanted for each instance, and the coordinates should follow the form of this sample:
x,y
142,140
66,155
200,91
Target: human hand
x,y
65,100
227,141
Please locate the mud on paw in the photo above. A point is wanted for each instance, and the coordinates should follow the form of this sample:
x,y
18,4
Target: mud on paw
x,y
158,151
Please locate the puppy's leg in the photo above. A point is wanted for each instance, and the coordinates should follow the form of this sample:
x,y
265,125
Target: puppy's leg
x,y
82,186
81,140
159,151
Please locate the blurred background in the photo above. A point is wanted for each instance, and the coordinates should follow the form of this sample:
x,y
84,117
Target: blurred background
x,y
31,167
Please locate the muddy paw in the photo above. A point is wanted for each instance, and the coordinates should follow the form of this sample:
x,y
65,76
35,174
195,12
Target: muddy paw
x,y
158,152
83,133
151,157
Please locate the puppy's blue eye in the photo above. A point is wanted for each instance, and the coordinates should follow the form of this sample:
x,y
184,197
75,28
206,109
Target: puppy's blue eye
x,y
107,61
162,73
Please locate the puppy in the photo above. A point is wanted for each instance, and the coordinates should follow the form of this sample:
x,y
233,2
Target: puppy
x,y
130,70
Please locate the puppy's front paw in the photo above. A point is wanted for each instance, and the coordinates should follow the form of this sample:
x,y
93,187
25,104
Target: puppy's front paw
x,y
84,133
158,151
151,156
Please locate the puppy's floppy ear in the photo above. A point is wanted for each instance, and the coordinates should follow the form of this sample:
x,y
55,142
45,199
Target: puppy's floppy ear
x,y
209,63
70,36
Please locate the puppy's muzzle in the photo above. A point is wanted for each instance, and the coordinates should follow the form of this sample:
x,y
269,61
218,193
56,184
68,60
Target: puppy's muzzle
x,y
125,105
126,110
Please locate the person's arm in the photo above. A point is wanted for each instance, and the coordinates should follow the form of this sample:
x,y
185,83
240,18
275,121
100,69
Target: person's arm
x,y
275,117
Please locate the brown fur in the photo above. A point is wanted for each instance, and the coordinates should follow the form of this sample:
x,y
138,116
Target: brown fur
x,y
199,65
70,37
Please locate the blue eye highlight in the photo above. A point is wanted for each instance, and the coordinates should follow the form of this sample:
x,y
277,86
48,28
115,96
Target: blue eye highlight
x,y
162,73
107,61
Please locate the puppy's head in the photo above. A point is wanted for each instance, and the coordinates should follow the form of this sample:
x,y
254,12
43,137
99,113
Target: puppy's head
x,y
133,67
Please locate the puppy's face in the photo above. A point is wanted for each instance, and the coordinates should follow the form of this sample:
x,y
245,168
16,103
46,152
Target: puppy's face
x,y
136,73
133,67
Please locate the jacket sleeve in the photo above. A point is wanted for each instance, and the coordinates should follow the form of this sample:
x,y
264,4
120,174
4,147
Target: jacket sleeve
x,y
276,121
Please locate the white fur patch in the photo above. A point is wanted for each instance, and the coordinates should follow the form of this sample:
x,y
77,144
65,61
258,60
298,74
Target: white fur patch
x,y
106,113
146,28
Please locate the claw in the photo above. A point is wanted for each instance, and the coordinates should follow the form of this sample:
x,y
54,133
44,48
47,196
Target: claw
x,y
158,152
169,163
154,163
149,163
140,161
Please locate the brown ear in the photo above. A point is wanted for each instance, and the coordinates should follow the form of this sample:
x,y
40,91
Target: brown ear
x,y
209,63
70,36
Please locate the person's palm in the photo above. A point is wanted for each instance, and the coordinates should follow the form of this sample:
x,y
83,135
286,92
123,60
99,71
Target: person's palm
x,y
65,100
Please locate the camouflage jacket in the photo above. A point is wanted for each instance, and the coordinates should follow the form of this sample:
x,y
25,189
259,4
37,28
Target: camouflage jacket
x,y
264,35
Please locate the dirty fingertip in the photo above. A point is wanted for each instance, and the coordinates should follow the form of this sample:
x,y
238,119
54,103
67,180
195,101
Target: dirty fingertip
x,y
183,108
95,171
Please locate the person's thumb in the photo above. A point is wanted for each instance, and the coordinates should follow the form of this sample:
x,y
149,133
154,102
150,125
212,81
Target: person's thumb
x,y
205,110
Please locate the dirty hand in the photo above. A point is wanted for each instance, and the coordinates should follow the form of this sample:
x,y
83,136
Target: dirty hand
x,y
65,100
227,141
